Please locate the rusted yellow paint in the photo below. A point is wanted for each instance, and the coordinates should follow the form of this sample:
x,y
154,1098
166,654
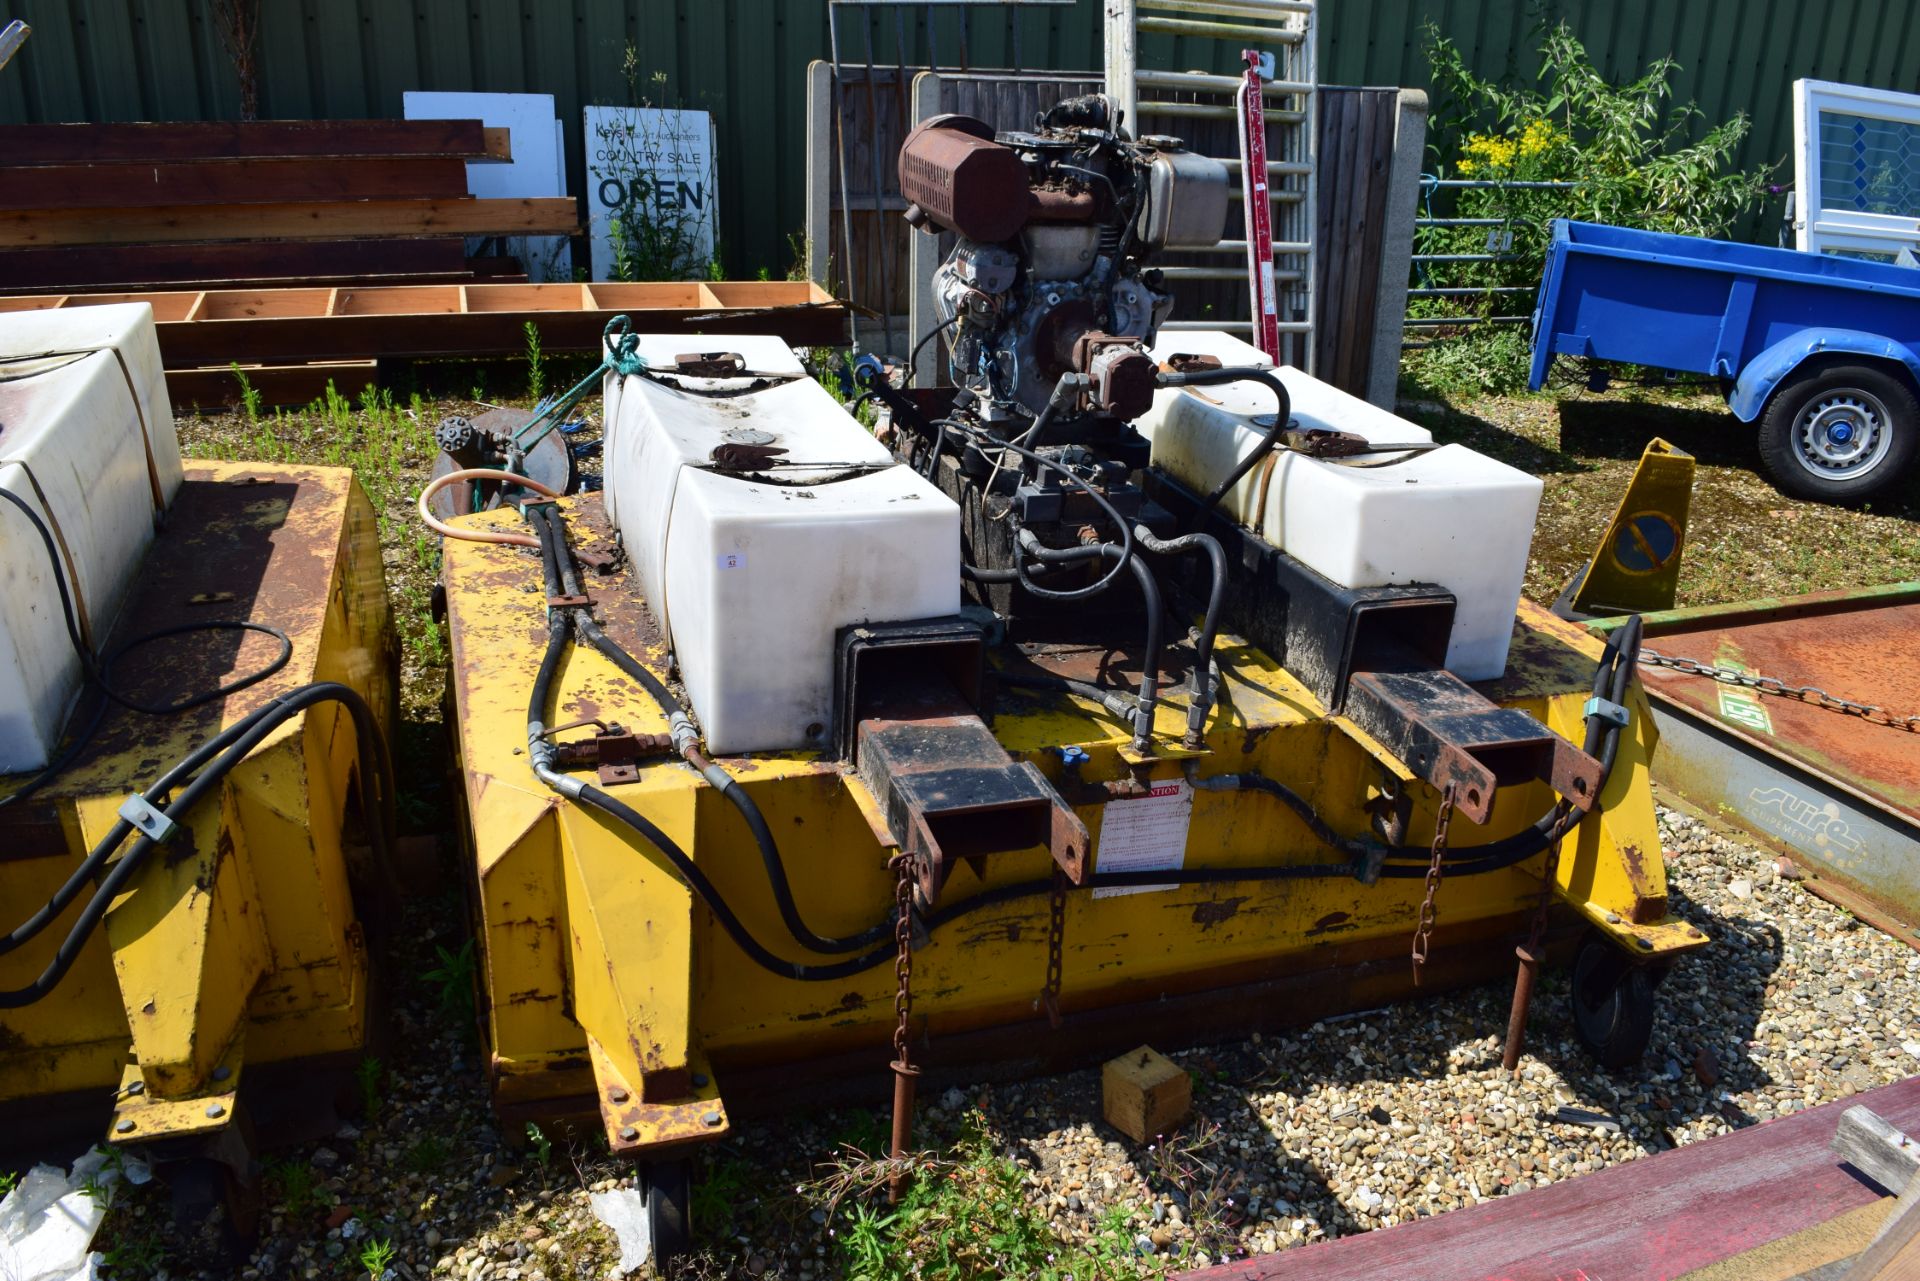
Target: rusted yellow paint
x,y
242,928
604,973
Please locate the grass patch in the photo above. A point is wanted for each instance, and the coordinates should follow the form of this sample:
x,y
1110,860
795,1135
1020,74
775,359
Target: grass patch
x,y
965,1214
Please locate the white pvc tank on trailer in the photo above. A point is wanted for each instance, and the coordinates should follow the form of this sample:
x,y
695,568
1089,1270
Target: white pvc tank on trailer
x,y
752,573
1446,516
87,441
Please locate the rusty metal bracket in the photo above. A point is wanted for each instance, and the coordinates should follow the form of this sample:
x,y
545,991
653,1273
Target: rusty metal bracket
x,y
710,364
1447,732
581,601
614,752
951,795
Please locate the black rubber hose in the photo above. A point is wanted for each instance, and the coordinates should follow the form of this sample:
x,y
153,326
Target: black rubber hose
x,y
1202,683
552,534
253,730
1112,700
1283,411
1155,609
95,669
1112,513
90,866
1611,680
697,881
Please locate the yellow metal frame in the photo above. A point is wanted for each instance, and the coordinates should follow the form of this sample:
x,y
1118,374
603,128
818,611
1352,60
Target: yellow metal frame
x,y
607,979
242,930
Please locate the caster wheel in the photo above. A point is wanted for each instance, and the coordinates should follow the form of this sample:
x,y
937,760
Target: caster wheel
x,y
215,1214
1613,1003
668,1189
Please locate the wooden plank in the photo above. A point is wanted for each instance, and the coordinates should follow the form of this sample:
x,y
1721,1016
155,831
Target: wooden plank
x,y
137,266
1895,1253
96,144
1662,1216
257,182
284,326
216,387
311,220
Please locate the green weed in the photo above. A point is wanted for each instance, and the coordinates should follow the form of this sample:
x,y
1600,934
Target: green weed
x,y
249,394
541,1145
536,363
717,1197
452,982
7,1179
427,1154
140,1255
368,1077
376,1257
295,1186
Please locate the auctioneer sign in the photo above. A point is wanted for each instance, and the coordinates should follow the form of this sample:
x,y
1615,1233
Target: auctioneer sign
x,y
652,202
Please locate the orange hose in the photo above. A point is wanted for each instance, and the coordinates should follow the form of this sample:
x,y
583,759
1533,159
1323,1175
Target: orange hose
x,y
445,530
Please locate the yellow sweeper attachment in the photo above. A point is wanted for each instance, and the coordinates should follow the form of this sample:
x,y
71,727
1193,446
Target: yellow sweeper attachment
x,y
199,953
984,862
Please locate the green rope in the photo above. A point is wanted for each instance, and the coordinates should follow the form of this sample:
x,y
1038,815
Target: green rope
x,y
622,347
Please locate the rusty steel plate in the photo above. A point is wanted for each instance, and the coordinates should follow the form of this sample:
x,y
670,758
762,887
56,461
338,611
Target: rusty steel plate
x,y
1837,790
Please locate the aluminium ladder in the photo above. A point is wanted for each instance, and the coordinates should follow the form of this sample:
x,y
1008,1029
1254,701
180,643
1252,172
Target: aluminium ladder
x,y
1285,28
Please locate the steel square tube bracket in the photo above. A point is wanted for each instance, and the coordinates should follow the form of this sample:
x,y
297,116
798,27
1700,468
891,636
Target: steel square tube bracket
x,y
950,793
1449,733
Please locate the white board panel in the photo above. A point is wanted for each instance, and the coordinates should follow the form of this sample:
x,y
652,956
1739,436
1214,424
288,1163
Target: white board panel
x,y
538,167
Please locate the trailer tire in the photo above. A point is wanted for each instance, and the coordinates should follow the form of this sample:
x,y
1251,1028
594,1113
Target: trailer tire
x,y
1840,432
1613,1001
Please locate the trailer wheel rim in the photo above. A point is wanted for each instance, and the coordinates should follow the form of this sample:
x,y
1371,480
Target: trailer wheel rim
x,y
1842,435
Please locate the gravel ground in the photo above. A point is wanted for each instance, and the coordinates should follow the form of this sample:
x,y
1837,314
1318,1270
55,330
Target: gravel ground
x,y
1344,1126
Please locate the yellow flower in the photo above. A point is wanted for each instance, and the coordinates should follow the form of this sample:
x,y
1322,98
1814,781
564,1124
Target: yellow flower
x,y
1538,137
1466,166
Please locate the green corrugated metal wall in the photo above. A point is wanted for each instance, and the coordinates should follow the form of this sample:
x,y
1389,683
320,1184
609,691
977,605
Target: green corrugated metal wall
x,y
745,61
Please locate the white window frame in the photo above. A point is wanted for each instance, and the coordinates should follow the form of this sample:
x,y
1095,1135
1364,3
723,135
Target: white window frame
x,y
1817,229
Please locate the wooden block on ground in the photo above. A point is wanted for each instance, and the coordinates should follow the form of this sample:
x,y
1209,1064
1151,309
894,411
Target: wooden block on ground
x,y
1876,1149
1143,1093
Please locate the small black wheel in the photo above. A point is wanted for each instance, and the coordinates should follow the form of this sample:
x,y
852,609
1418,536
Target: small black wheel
x,y
215,1214
1840,432
668,1186
1612,1003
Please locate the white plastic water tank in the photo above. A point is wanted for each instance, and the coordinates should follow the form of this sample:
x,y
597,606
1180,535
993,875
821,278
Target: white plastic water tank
x,y
87,440
1448,516
752,575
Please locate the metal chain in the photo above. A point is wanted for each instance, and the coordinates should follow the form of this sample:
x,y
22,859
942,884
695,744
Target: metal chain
x,y
902,866
1056,932
1772,685
1548,872
1423,933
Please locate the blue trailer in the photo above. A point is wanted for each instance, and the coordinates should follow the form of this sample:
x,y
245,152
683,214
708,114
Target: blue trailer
x,y
1823,352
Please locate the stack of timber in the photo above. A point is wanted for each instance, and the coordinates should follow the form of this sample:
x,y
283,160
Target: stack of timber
x,y
337,333
116,207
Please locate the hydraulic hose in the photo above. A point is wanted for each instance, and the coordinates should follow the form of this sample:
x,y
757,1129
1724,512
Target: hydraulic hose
x,y
1611,679
1201,687
1149,698
233,746
551,531
96,668
1283,411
